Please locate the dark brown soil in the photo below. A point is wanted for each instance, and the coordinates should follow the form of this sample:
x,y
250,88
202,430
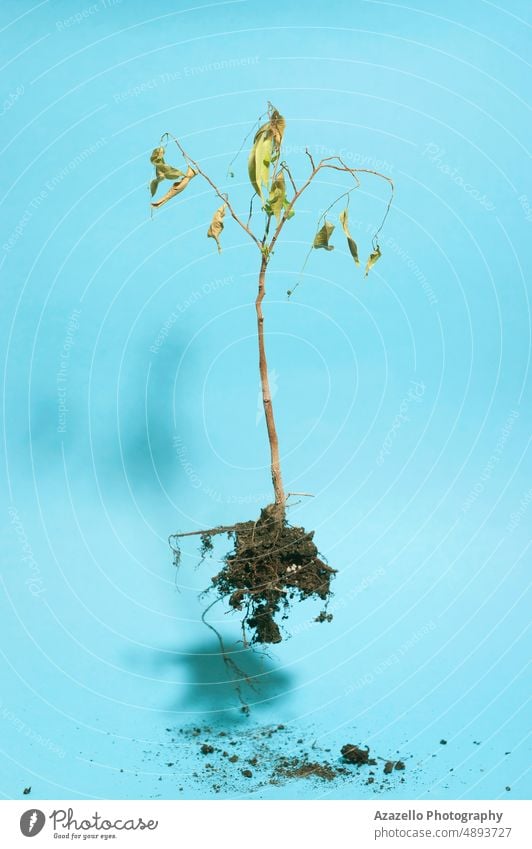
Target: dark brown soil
x,y
355,755
271,564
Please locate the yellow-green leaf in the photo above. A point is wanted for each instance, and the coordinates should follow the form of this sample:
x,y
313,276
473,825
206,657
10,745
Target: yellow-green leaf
x,y
217,225
176,188
266,148
167,172
259,160
157,155
372,259
163,171
351,244
277,198
321,239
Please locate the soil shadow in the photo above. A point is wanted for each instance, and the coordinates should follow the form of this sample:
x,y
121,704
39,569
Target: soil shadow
x,y
207,682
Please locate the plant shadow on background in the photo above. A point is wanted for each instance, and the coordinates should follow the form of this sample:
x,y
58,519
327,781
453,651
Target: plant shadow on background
x,y
147,456
206,684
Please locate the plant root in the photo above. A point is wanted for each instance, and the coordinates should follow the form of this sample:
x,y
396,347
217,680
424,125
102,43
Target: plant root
x,y
271,564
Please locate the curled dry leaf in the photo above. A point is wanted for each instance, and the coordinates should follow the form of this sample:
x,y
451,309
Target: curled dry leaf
x,y
277,198
321,239
217,225
163,171
351,244
277,124
372,259
176,188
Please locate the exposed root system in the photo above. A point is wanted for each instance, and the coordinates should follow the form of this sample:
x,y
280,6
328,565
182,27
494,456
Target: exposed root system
x,y
272,563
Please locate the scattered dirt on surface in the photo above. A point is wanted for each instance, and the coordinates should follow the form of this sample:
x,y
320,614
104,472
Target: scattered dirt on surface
x,y
252,759
289,757
301,768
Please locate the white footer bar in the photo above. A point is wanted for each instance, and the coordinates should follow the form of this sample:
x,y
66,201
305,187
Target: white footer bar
x,y
225,824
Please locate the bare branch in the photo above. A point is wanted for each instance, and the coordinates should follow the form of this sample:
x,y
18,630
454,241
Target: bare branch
x,y
307,151
341,166
223,196
285,167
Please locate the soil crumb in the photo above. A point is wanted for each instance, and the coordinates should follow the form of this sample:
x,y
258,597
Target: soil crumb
x,y
357,756
302,768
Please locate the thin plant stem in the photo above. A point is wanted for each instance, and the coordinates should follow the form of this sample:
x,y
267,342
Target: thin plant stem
x,y
277,479
334,163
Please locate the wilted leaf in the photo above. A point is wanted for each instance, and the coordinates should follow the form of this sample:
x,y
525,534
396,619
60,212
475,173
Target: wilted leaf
x,y
176,188
259,161
217,225
291,214
167,172
277,124
265,150
157,155
372,259
277,199
321,239
163,171
351,244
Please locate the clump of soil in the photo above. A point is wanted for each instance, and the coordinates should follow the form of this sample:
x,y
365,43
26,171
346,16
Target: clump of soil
x,y
271,564
357,756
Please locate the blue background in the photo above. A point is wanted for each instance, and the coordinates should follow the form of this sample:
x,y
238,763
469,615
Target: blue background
x,y
421,501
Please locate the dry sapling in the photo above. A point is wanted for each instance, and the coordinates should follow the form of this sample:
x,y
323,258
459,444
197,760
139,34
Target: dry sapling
x,y
271,562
